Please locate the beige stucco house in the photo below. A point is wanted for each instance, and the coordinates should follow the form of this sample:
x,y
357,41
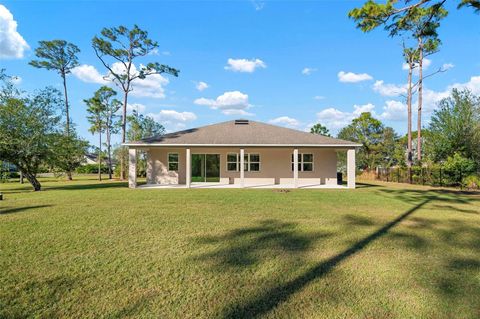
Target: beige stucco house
x,y
242,153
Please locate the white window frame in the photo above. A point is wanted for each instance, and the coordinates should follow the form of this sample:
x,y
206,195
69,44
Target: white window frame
x,y
237,164
177,162
250,162
301,162
246,161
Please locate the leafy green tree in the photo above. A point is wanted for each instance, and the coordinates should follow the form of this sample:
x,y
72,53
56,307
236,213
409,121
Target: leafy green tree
x,y
96,111
390,148
124,46
140,126
61,56
67,152
369,132
374,14
455,127
28,127
319,129
111,107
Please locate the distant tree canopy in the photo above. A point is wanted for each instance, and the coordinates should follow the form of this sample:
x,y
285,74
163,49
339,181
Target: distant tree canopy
x,y
31,134
398,12
455,127
319,129
141,126
378,142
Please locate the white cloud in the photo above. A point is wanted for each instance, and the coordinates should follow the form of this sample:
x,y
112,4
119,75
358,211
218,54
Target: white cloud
x,y
88,73
431,98
426,64
258,5
16,80
12,44
173,120
308,71
201,86
140,108
172,115
389,89
350,77
152,86
285,121
318,97
335,119
447,66
157,52
244,65
230,103
394,111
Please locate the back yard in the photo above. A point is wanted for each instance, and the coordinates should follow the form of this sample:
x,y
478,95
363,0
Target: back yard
x,y
89,249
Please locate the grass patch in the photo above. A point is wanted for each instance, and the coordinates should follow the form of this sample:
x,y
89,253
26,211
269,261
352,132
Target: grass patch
x,y
90,249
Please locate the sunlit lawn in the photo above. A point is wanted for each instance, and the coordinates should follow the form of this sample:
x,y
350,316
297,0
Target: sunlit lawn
x,y
89,249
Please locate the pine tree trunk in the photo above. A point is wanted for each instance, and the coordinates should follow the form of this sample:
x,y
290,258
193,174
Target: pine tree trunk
x,y
67,113
100,156
409,125
109,151
124,129
420,97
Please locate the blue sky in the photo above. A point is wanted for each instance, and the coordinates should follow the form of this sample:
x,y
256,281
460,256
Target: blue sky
x,y
291,63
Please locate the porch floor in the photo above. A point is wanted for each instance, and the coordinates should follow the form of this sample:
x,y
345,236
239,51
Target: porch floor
x,y
222,185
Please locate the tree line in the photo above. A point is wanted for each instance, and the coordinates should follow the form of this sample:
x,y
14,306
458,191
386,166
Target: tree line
x,y
452,138
417,22
36,130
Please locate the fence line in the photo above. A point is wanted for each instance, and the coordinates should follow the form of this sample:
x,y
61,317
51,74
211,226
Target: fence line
x,y
437,176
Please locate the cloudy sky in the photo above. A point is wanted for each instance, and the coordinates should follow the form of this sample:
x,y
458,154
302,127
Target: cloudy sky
x,y
289,63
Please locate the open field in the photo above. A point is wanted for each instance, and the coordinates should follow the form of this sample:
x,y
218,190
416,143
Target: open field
x,y
90,249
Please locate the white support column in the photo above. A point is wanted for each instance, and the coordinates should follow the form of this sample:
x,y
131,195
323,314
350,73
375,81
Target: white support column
x,y
351,168
295,168
242,167
188,168
132,168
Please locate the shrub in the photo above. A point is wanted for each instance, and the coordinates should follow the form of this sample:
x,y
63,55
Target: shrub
x,y
91,169
471,182
456,167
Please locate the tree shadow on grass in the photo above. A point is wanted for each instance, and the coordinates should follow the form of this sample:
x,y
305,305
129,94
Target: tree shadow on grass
x,y
13,210
273,297
97,185
366,185
249,246
37,298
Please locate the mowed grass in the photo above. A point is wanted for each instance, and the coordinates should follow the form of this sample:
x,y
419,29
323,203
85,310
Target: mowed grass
x,y
86,249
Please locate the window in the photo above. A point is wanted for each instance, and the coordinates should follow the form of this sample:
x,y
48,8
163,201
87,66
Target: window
x,y
173,162
232,162
305,162
251,162
254,162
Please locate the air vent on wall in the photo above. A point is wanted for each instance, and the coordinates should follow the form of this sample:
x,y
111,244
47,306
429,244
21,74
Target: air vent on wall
x,y
241,122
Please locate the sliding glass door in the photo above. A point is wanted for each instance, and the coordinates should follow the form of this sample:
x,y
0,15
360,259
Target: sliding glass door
x,y
205,168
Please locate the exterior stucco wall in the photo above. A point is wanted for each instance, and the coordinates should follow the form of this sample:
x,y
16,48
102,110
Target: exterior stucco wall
x,y
275,165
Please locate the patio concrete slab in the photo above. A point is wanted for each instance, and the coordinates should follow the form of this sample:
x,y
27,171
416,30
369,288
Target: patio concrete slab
x,y
221,185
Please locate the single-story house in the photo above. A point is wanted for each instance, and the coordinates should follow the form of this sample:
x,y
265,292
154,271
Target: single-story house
x,y
92,159
242,153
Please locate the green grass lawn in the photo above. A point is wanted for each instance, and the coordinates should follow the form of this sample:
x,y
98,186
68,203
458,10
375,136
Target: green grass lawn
x,y
89,249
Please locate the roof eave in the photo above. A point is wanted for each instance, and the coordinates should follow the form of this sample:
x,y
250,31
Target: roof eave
x,y
238,145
